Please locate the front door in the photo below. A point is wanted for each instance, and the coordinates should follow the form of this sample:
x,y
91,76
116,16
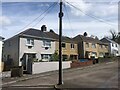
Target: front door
x,y
27,62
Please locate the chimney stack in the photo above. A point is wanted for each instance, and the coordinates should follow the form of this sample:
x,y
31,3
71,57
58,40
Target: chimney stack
x,y
51,31
43,28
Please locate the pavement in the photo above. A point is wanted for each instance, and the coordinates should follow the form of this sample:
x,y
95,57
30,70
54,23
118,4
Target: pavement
x,y
103,75
11,80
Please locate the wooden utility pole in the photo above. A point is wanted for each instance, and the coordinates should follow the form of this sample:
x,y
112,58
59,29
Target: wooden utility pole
x,y
60,45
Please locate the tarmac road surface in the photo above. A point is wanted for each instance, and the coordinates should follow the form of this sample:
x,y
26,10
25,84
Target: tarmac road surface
x,y
99,76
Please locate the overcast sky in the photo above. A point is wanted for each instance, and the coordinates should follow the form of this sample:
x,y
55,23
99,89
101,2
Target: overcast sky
x,y
15,15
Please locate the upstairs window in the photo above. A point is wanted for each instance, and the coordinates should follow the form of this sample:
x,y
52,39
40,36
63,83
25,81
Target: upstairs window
x,y
47,43
112,45
116,45
63,45
72,45
30,42
106,46
87,45
93,46
101,46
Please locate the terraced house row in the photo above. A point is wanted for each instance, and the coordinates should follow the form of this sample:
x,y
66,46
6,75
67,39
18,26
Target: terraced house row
x,y
41,45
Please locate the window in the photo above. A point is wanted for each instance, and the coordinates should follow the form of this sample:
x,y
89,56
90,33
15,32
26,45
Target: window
x,y
63,45
101,54
87,45
101,46
30,42
72,45
106,46
64,57
94,54
112,45
45,56
47,43
117,52
116,45
93,46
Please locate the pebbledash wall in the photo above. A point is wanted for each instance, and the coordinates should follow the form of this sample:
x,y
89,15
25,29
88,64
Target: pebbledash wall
x,y
37,48
40,67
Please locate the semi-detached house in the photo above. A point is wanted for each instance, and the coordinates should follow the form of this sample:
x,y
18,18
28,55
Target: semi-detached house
x,y
113,47
31,43
38,45
89,47
69,46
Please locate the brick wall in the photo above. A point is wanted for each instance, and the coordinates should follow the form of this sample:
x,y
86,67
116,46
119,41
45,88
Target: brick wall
x,y
75,64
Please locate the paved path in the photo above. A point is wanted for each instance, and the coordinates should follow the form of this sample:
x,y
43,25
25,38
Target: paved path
x,y
98,76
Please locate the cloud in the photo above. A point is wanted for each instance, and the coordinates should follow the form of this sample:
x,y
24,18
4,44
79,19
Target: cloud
x,y
29,1
80,5
4,21
106,10
96,9
93,28
44,5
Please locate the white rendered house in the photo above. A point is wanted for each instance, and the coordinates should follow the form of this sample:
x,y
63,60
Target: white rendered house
x,y
114,48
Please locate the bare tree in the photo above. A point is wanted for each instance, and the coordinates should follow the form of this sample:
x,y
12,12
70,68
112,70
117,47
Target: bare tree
x,y
113,35
118,38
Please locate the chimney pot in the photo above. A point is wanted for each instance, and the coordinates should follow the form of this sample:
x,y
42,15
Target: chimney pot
x,y
43,28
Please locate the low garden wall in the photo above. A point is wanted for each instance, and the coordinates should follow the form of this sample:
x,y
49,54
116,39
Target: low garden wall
x,y
40,67
75,64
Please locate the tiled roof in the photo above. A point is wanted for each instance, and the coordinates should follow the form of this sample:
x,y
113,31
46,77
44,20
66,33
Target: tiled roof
x,y
49,35
87,39
107,40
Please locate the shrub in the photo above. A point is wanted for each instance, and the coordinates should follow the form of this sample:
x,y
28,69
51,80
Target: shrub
x,y
54,57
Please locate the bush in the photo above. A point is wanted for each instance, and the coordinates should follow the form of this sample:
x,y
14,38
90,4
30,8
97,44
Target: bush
x,y
54,57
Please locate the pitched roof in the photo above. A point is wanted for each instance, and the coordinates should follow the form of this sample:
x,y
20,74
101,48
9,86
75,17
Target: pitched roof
x,y
48,35
107,40
87,39
34,32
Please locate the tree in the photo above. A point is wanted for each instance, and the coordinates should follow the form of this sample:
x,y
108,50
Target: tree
x,y
118,38
55,56
114,35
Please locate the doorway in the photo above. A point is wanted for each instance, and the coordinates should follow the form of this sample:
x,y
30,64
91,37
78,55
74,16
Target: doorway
x,y
27,62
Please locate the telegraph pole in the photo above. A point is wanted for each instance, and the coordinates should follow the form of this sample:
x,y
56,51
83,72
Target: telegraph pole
x,y
60,45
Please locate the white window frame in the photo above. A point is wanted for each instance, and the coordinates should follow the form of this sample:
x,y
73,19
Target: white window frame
x,y
45,57
31,42
87,45
72,46
46,43
93,45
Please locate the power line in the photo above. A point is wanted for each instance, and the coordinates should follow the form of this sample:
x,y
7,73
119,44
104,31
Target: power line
x,y
45,14
38,16
68,18
94,17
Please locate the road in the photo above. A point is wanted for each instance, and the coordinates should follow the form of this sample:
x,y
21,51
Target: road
x,y
97,76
